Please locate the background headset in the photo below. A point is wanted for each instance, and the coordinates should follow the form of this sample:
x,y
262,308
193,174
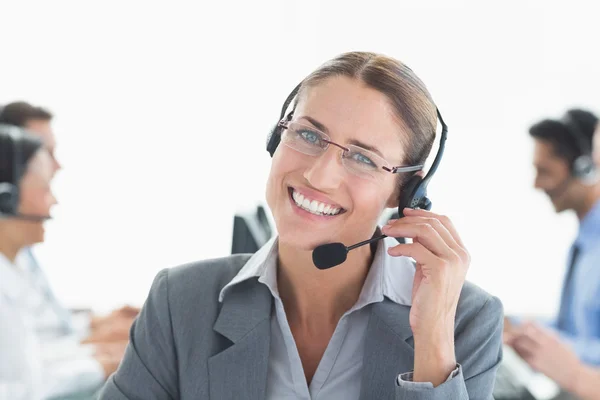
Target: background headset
x,y
583,167
414,191
9,191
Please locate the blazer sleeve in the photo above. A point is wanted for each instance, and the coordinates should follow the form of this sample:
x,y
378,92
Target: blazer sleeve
x,y
149,369
478,350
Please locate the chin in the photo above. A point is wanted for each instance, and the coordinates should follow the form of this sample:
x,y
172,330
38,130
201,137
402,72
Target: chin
x,y
559,208
303,240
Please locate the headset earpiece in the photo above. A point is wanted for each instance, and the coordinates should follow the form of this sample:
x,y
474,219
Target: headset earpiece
x,y
9,199
414,192
583,167
9,192
273,139
414,195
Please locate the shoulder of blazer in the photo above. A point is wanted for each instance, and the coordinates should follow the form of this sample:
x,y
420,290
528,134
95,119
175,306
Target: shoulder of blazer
x,y
193,288
472,301
205,277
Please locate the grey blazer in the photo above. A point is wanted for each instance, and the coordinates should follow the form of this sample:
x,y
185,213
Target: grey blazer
x,y
186,345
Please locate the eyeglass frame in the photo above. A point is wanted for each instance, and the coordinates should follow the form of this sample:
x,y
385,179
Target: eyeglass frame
x,y
284,124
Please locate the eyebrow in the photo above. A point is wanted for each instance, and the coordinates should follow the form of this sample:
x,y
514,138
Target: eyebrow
x,y
355,142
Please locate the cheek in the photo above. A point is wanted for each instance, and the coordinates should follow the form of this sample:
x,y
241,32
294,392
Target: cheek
x,y
547,182
34,202
369,200
285,161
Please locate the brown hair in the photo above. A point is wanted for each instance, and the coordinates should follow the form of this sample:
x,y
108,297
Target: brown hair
x,y
19,113
412,103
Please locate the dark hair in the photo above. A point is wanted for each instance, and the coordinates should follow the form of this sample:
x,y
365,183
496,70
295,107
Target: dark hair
x,y
19,113
412,103
17,148
562,135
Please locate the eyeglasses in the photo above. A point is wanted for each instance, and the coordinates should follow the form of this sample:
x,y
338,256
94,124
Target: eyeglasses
x,y
357,160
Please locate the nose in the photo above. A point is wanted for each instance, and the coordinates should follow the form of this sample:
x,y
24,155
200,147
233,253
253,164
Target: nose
x,y
326,172
55,164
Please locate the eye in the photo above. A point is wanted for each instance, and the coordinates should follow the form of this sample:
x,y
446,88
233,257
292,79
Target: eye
x,y
310,137
362,159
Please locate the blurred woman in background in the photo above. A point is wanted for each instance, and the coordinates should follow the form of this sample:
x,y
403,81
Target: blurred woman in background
x,y
32,367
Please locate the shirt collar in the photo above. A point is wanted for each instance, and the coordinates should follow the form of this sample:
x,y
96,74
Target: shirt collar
x,y
390,277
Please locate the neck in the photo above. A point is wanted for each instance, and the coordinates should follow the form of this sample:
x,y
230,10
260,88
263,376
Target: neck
x,y
8,246
313,296
589,200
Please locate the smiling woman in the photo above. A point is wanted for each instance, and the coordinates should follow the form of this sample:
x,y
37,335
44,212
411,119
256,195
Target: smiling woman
x,y
378,326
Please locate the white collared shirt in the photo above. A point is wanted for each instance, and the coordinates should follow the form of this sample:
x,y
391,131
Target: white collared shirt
x,y
339,373
46,366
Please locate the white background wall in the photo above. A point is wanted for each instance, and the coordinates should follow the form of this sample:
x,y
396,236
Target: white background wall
x,y
163,107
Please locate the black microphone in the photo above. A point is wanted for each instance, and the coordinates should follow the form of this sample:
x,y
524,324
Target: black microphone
x,y
26,217
32,218
332,254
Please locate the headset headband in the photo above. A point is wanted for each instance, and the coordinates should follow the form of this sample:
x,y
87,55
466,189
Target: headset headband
x,y
577,134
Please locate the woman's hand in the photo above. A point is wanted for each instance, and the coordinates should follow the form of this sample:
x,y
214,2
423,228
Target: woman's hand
x,y
441,266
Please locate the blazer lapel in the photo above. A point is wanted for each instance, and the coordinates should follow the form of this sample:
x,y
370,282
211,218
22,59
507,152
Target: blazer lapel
x,y
388,350
240,371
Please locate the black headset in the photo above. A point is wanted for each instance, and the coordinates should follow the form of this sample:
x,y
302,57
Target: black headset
x,y
414,191
583,167
9,191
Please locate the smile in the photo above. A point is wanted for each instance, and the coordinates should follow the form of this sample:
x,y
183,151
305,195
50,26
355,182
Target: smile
x,y
313,206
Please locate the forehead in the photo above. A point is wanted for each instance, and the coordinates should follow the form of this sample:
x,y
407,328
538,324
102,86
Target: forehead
x,y
351,110
544,155
43,129
39,168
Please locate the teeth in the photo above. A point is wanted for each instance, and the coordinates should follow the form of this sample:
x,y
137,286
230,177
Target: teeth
x,y
314,206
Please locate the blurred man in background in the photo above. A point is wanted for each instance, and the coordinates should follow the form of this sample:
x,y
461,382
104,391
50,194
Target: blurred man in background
x,y
555,357
565,171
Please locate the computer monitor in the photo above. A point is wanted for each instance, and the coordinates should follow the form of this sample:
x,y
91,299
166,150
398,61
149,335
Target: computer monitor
x,y
251,230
